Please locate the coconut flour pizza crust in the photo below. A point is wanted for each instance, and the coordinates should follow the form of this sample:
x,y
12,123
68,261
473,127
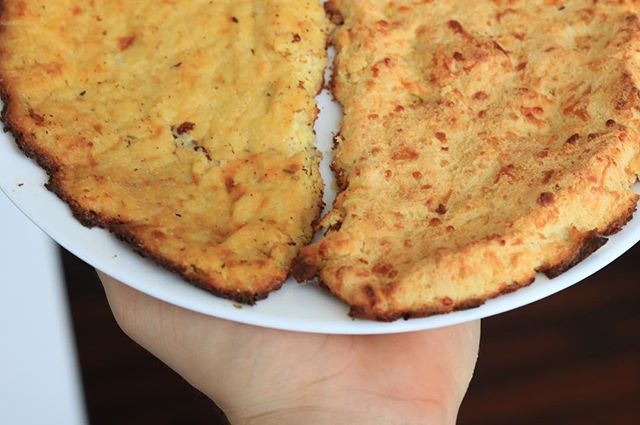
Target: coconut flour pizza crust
x,y
186,128
482,142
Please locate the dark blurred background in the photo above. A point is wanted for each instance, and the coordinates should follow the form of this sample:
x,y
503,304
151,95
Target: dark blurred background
x,y
572,359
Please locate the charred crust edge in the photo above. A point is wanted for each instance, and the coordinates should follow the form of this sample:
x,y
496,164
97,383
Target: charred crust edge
x,y
590,244
358,312
301,270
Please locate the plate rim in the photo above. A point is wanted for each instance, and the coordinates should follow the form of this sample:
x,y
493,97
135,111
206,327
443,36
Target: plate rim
x,y
618,244
36,202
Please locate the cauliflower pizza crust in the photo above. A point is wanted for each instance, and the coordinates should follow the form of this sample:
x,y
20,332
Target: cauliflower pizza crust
x,y
184,127
482,142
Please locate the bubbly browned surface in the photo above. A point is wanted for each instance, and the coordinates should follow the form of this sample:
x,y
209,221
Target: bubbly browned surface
x,y
185,127
482,141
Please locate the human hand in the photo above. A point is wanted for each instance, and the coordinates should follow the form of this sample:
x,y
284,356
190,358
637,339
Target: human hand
x,y
262,376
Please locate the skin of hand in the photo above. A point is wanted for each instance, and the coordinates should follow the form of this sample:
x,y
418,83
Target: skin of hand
x,y
262,376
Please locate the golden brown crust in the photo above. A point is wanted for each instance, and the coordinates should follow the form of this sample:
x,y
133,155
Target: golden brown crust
x,y
93,219
470,161
236,269
591,243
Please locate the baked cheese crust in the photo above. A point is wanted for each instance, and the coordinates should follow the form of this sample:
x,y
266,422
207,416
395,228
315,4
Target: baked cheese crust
x,y
482,142
184,127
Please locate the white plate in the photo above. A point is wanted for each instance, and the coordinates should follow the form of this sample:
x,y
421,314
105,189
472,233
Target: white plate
x,y
294,307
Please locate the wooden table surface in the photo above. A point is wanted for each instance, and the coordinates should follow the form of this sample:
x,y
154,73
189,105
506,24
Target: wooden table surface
x,y
572,359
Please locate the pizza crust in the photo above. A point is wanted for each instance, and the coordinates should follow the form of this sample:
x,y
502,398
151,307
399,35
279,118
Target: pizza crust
x,y
482,143
195,147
